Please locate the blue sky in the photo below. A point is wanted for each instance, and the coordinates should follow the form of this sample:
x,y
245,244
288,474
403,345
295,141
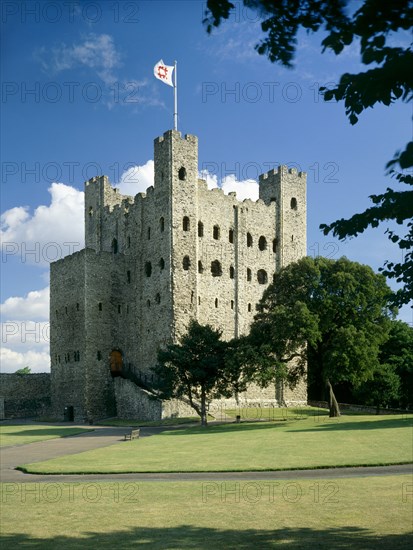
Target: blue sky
x,y
79,98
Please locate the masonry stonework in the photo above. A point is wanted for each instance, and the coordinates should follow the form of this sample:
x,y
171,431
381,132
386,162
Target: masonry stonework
x,y
151,263
24,395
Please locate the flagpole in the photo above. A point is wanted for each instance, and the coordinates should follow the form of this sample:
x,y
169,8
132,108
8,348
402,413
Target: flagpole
x,y
175,100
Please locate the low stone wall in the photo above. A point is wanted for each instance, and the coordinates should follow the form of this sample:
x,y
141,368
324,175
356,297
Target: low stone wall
x,y
24,395
359,408
175,408
134,402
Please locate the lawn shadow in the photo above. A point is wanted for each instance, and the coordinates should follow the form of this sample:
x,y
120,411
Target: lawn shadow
x,y
219,428
342,424
55,432
200,538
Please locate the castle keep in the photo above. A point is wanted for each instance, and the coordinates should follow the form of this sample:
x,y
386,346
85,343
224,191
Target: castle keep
x,y
154,261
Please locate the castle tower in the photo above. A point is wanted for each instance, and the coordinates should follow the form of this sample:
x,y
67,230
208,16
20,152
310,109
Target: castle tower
x,y
157,260
287,190
176,179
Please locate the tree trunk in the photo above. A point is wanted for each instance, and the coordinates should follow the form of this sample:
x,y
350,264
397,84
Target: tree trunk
x,y
332,401
204,419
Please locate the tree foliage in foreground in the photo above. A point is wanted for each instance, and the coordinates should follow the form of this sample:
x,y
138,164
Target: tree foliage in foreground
x,y
392,383
389,78
196,369
334,311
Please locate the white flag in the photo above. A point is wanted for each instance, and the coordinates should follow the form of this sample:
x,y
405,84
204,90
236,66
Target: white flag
x,y
164,72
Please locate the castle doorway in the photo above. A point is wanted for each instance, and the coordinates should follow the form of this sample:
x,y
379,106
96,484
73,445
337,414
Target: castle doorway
x,y
69,413
116,362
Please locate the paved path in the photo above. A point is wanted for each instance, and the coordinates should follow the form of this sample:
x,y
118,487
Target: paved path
x,y
10,457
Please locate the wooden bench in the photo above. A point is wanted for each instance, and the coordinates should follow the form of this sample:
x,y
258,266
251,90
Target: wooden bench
x,y
133,434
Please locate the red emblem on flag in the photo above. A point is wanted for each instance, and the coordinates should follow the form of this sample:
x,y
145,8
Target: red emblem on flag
x,y
162,71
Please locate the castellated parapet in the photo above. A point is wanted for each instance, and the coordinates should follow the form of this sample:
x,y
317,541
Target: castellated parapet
x,y
153,262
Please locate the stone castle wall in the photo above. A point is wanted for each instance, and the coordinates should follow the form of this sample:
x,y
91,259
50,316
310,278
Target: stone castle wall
x,y
23,396
155,261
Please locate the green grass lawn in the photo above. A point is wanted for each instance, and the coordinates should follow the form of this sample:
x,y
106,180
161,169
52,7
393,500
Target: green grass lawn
x,y
166,422
372,513
312,442
27,433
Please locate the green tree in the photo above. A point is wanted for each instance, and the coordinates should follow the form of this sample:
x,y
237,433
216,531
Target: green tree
x,y
23,371
195,369
334,310
382,390
397,352
389,79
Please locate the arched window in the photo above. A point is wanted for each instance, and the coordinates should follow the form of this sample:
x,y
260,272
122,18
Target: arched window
x,y
262,277
148,269
200,229
200,267
100,306
249,239
249,307
275,245
162,225
115,246
216,302
216,232
128,241
216,268
232,304
293,203
162,264
262,243
185,223
186,262
128,277
231,236
231,272
149,233
182,173
249,274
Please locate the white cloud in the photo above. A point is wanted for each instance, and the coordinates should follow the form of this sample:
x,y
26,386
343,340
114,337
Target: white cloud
x,y
235,40
98,55
33,306
97,52
245,189
25,335
51,232
13,360
137,179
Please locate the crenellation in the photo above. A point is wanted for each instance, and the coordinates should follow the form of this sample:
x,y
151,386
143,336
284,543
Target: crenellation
x,y
155,261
